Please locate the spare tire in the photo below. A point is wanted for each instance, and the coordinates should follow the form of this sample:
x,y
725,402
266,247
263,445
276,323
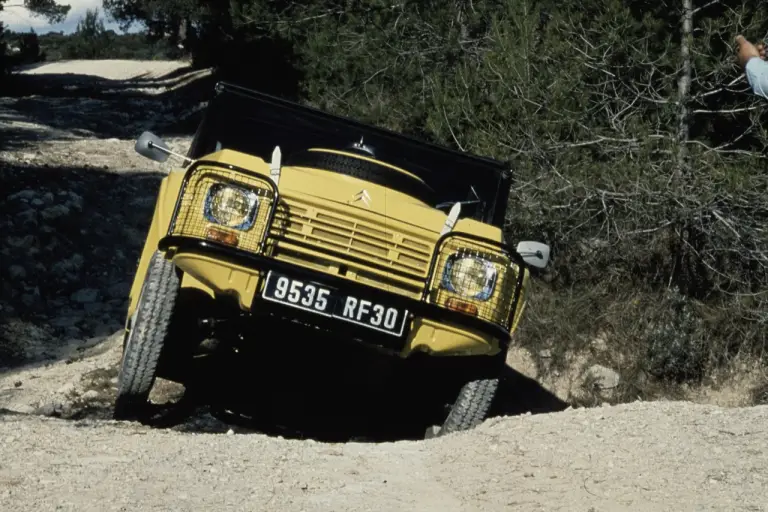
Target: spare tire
x,y
364,169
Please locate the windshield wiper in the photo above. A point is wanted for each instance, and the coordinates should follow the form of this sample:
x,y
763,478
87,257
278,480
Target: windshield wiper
x,y
473,201
451,203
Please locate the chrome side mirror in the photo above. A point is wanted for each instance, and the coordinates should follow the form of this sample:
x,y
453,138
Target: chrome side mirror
x,y
151,146
534,254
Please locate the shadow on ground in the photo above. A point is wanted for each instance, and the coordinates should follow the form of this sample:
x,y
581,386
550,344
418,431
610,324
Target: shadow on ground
x,y
331,392
71,241
100,109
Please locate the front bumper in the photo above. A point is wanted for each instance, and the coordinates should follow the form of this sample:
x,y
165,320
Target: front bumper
x,y
429,328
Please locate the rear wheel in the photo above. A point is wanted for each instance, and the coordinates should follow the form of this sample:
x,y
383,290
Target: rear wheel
x,y
146,339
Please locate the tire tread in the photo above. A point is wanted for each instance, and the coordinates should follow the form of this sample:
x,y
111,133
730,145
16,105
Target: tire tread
x,y
142,353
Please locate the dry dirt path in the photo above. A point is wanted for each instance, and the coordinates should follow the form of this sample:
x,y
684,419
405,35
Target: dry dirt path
x,y
642,456
74,202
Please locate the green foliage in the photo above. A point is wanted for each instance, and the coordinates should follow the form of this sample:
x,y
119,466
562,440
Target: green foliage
x,y
48,9
90,40
29,48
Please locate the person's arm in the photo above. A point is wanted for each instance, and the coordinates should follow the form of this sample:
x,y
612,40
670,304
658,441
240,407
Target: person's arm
x,y
757,76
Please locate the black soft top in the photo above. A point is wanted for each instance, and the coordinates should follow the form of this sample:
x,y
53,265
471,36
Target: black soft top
x,y
252,122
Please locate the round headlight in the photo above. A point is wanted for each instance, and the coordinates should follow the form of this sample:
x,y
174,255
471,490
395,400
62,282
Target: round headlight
x,y
470,276
231,206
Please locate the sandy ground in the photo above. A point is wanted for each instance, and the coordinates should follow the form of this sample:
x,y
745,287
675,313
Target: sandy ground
x,y
109,69
75,201
655,457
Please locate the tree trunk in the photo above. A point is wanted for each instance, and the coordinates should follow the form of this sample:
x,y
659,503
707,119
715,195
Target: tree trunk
x,y
684,87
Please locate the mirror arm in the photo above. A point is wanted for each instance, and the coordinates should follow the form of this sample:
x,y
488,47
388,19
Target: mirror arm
x,y
168,151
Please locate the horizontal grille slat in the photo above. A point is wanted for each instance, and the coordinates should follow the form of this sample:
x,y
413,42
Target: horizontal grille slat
x,y
385,255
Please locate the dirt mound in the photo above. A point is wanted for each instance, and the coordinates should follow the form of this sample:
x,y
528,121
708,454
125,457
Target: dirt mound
x,y
640,456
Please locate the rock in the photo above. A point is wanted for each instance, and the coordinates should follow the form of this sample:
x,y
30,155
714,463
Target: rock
x,y
37,202
119,290
17,272
54,408
70,265
29,299
75,201
93,308
73,332
20,242
101,329
25,409
604,378
24,195
66,389
65,321
91,394
27,217
48,197
55,212
85,296
58,303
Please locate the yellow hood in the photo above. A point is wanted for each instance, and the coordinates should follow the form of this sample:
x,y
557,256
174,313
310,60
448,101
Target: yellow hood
x,y
365,198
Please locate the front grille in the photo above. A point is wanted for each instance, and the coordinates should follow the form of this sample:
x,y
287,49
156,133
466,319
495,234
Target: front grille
x,y
328,239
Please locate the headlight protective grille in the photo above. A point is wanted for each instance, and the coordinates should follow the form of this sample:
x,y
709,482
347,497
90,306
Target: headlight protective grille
x,y
475,277
225,205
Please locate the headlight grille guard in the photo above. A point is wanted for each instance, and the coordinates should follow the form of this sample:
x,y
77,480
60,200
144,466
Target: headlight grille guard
x,y
503,305
266,188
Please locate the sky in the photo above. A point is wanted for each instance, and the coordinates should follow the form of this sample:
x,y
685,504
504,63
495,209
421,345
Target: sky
x,y
18,19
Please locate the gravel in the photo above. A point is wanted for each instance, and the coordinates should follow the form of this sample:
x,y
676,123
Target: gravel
x,y
641,456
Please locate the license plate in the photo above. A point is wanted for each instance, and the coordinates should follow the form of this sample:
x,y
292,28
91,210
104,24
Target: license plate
x,y
331,302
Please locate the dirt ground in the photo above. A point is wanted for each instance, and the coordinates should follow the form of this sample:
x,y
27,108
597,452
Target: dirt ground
x,y
75,202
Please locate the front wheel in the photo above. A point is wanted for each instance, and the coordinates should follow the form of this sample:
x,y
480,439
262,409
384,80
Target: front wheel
x,y
471,407
146,339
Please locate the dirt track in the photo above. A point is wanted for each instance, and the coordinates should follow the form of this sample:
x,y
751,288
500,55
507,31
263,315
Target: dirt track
x,y
73,184
655,457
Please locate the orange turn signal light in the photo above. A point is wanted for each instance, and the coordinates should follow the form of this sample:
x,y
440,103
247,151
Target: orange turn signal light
x,y
221,236
461,306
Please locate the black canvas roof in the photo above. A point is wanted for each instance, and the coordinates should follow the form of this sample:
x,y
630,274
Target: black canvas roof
x,y
254,123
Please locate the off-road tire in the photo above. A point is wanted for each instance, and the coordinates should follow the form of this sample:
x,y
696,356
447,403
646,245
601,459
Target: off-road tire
x,y
471,406
145,342
362,169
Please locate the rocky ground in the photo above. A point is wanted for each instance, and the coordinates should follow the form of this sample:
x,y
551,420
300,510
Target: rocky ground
x,y
75,202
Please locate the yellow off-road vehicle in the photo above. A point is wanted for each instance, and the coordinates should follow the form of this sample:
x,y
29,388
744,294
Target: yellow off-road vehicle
x,y
284,213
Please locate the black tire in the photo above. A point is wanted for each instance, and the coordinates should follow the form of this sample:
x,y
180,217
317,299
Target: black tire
x,y
471,406
144,344
364,169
